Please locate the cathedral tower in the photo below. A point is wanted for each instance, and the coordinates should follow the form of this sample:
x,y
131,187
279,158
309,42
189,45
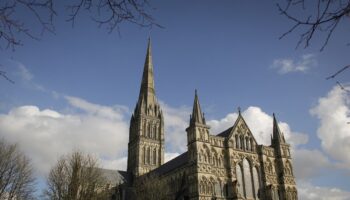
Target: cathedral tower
x,y
146,134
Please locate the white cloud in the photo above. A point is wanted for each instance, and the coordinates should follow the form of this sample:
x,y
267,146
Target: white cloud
x,y
176,120
119,163
309,163
47,134
307,191
24,73
333,112
217,126
113,113
26,78
169,156
285,66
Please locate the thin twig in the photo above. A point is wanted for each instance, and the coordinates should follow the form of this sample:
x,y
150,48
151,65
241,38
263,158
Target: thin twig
x,y
338,72
342,87
327,15
11,26
3,74
112,13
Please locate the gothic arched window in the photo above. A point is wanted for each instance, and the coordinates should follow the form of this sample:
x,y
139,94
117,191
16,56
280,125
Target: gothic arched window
x,y
156,132
148,155
239,176
248,185
154,135
154,156
148,130
144,153
144,128
247,144
201,187
242,143
256,182
237,142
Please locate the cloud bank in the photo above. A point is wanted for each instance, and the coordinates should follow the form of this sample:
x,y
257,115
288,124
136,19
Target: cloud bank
x,y
333,111
47,134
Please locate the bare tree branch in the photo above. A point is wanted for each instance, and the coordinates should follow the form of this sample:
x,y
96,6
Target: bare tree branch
x,y
338,72
3,74
111,13
342,87
11,25
323,19
108,13
16,176
76,177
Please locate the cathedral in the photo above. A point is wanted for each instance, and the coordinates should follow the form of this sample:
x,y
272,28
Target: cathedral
x,y
227,165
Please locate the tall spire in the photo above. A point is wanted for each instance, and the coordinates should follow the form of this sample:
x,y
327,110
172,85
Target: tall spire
x,y
146,126
277,134
147,91
197,115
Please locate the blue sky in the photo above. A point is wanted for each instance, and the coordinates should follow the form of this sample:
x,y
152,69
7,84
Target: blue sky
x,y
229,51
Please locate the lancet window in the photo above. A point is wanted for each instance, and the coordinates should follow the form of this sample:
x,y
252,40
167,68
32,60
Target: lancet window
x,y
248,180
154,156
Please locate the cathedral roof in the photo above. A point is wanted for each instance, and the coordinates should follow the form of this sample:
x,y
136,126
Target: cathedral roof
x,y
172,164
115,177
226,132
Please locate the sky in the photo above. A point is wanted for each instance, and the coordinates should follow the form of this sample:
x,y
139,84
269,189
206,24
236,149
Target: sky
x,y
77,88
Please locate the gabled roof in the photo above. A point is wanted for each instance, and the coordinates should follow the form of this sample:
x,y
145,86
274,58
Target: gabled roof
x,y
172,164
228,132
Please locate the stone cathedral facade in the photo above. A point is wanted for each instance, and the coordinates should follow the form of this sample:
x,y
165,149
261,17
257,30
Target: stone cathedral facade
x,y
226,165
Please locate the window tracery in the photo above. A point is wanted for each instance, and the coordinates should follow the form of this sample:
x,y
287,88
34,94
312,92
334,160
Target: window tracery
x,y
237,142
154,156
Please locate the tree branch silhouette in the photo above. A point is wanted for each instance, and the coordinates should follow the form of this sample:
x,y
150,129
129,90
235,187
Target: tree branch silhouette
x,y
325,17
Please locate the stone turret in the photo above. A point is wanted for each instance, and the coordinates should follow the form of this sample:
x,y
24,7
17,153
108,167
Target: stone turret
x,y
197,130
